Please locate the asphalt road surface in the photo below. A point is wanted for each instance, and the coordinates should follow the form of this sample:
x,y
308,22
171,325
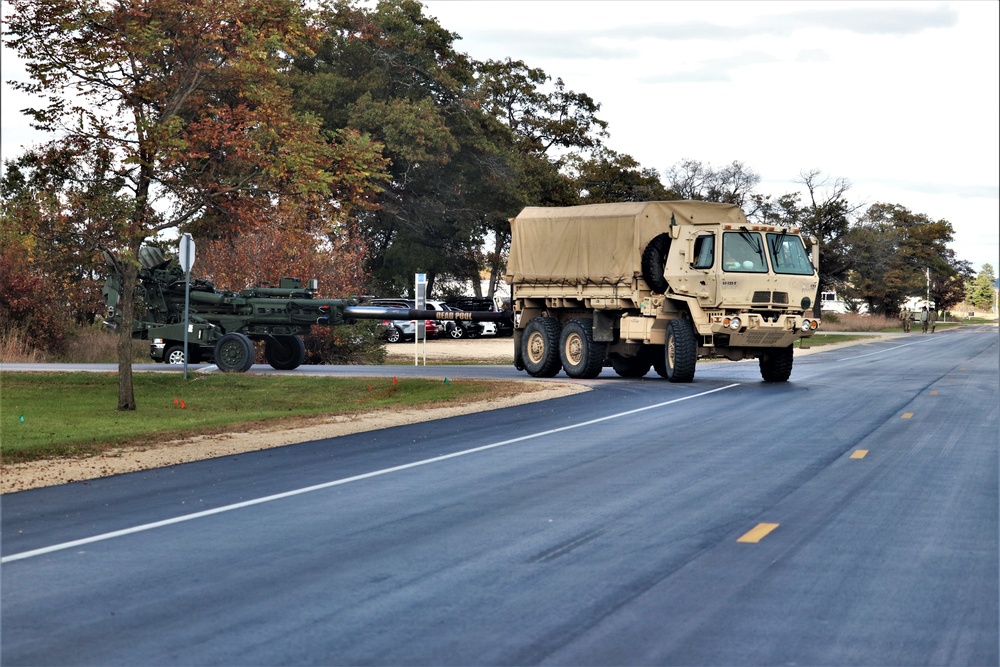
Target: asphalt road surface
x,y
848,517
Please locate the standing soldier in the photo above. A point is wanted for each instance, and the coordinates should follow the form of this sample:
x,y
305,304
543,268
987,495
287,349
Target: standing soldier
x,y
924,319
932,318
906,316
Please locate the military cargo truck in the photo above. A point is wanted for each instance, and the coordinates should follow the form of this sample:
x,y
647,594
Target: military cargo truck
x,y
661,284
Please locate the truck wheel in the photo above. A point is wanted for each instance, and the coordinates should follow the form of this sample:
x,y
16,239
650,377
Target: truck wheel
x,y
581,357
654,258
393,334
234,353
631,367
659,356
540,347
285,353
776,365
681,351
174,355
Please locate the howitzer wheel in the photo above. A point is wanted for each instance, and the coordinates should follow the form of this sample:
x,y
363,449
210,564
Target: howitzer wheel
x,y
234,353
285,352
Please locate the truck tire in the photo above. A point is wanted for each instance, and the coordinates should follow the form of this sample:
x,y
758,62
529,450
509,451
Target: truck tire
x,y
681,351
285,353
659,356
631,367
458,332
654,258
581,357
776,365
540,347
234,353
174,355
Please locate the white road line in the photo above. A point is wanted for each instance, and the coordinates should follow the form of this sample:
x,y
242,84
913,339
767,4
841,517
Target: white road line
x,y
338,482
888,349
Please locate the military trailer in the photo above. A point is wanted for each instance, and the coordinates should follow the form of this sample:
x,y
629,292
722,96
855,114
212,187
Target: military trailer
x,y
656,284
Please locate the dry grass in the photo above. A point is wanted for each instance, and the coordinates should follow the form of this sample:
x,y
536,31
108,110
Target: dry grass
x,y
14,349
87,345
855,322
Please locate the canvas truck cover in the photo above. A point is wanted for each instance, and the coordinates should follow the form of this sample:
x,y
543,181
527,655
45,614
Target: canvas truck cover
x,y
598,243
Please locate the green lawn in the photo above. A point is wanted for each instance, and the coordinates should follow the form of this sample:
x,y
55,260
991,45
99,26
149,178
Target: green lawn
x,y
45,415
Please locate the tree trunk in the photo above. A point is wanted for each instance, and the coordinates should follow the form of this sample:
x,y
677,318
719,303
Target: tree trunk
x,y
130,277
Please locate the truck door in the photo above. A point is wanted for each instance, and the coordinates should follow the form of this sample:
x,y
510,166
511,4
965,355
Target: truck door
x,y
704,264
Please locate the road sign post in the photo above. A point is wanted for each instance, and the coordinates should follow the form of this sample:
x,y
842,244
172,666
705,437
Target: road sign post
x,y
420,326
186,257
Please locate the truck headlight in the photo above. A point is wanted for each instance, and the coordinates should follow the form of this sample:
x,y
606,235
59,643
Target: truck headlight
x,y
809,325
732,322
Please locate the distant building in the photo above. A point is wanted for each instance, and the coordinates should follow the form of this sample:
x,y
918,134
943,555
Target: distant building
x,y
831,303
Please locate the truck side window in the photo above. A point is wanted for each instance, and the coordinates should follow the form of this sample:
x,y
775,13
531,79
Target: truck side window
x,y
704,252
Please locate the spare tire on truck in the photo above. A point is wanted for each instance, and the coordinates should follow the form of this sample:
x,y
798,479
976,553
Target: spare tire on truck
x,y
654,258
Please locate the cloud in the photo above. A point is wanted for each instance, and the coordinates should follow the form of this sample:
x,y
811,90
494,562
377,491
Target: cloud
x,y
713,70
876,21
812,56
860,20
570,41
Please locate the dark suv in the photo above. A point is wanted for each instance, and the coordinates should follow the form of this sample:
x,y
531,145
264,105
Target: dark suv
x,y
473,303
453,328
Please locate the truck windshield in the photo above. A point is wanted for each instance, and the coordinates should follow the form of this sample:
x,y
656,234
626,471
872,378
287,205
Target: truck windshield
x,y
788,254
743,252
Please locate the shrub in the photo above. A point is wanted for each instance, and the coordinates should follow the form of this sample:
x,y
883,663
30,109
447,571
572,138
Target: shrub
x,y
360,343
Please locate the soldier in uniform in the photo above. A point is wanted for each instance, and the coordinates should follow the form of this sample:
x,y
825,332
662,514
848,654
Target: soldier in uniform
x,y
906,316
924,319
932,318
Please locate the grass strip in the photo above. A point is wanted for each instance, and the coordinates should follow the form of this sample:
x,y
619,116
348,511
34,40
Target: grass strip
x,y
48,415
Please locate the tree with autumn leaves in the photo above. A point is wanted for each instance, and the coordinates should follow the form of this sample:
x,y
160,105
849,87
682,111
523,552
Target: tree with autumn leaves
x,y
176,115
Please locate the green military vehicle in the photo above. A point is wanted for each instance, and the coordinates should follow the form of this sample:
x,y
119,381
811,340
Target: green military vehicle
x,y
657,284
222,326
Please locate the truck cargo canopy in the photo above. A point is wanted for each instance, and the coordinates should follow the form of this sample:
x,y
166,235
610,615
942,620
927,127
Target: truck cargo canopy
x,y
598,243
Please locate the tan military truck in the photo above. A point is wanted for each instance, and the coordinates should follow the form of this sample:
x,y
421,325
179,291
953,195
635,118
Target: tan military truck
x,y
658,284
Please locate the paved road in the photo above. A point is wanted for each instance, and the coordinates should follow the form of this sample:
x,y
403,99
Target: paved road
x,y
848,517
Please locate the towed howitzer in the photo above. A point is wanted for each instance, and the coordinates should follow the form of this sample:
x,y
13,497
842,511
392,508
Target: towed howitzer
x,y
224,325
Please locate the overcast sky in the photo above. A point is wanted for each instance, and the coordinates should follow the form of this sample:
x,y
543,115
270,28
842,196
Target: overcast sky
x,y
900,98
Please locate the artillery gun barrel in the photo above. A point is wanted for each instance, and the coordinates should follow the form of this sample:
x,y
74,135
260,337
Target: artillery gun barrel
x,y
377,313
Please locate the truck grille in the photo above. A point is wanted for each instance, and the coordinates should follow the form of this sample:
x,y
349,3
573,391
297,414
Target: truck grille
x,y
763,296
764,338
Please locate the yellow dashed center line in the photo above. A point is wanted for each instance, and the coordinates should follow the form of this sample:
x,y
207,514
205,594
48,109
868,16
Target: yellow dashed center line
x,y
758,532
859,454
933,393
907,415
